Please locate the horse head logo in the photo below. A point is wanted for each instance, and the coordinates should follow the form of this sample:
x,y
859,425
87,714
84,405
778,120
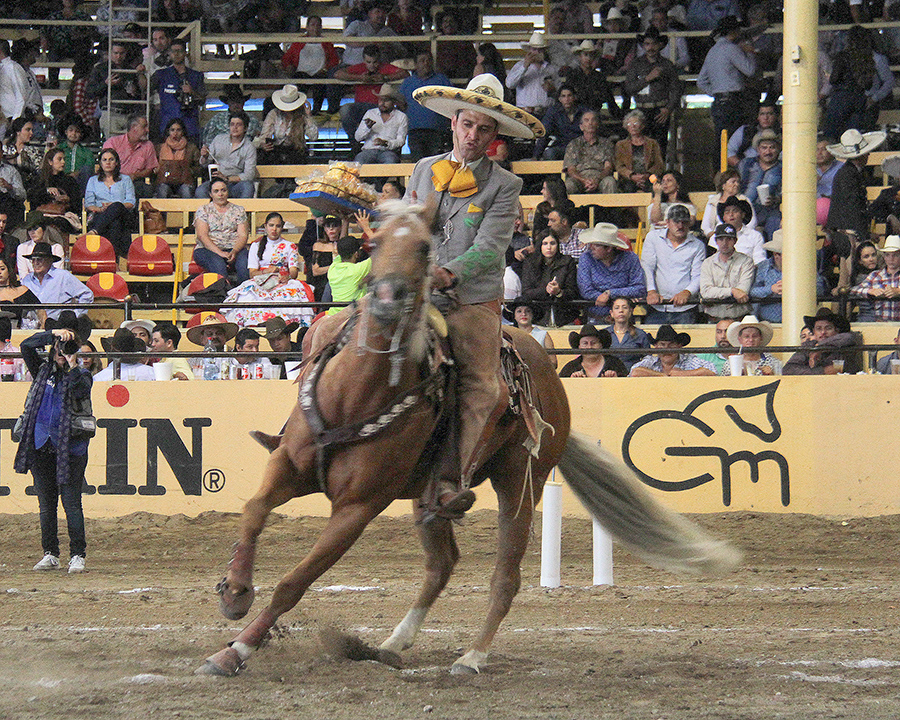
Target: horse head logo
x,y
752,411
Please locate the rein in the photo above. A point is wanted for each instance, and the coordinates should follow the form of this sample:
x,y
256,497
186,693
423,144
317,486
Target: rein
x,y
394,350
431,388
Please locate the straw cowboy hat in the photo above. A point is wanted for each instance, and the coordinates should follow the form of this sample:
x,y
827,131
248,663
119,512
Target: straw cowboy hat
x,y
131,324
776,244
387,90
891,244
288,98
408,64
603,234
891,166
733,333
536,41
614,14
483,94
212,320
765,135
589,331
587,46
855,144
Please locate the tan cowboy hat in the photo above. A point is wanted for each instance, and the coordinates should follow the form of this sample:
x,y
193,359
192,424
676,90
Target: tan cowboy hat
x,y
536,41
587,46
131,324
387,90
483,94
891,166
891,244
212,320
776,244
288,98
408,64
855,144
614,14
603,234
734,330
766,134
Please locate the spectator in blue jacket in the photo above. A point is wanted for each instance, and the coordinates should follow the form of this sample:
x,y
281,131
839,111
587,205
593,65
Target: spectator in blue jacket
x,y
609,269
427,129
767,283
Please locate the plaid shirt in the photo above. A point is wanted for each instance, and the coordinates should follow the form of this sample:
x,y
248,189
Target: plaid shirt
x,y
885,310
573,247
686,361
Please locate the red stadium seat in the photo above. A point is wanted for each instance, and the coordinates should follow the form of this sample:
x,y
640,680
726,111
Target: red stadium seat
x,y
92,254
150,255
108,285
194,268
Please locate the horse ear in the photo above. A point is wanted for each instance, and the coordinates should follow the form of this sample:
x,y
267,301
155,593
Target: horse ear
x,y
430,215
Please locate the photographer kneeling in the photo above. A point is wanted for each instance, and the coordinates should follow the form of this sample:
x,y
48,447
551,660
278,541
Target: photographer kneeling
x,y
55,429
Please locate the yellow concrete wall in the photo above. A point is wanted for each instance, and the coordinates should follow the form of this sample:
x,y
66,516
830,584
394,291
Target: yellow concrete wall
x,y
836,436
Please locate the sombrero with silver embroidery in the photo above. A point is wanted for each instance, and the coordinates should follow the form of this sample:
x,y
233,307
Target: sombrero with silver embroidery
x,y
483,94
855,144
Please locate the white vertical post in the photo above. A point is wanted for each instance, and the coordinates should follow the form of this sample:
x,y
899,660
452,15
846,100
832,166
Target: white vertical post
x,y
551,533
603,556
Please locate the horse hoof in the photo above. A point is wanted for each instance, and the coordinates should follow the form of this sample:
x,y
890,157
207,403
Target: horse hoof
x,y
460,669
233,605
390,658
225,663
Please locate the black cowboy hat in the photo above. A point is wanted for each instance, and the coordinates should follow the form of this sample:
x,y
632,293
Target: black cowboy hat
x,y
727,25
739,202
589,331
277,326
654,34
81,325
43,250
123,341
667,333
537,312
234,92
823,313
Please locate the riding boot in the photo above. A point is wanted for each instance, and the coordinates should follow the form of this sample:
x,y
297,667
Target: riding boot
x,y
475,339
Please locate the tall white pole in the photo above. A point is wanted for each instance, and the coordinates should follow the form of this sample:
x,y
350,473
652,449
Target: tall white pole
x,y
603,556
551,533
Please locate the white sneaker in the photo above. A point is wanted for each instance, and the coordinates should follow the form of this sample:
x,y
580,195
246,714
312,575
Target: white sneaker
x,y
48,562
76,564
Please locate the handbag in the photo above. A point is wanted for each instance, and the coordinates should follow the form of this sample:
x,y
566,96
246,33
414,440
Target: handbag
x,y
84,424
154,223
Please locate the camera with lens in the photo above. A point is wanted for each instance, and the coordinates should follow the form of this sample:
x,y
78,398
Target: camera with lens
x,y
69,347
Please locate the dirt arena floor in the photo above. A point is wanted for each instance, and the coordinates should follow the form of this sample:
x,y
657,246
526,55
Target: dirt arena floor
x,y
807,628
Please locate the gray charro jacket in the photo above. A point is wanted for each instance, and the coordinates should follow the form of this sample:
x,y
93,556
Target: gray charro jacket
x,y
476,229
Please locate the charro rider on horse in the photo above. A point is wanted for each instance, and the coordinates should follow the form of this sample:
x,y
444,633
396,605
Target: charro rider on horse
x,y
477,204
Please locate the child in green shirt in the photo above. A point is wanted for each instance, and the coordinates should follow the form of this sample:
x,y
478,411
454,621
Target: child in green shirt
x,y
346,275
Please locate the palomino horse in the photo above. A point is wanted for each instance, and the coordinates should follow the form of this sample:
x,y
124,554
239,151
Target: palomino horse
x,y
378,374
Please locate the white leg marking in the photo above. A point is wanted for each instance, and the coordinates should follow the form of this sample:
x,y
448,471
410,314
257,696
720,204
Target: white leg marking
x,y
243,650
404,634
469,664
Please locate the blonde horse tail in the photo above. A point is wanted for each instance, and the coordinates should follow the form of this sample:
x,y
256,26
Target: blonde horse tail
x,y
614,495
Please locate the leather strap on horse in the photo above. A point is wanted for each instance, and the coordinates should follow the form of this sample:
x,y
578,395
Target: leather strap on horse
x,y
431,389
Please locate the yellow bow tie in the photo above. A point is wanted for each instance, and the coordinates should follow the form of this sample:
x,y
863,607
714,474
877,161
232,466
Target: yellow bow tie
x,y
448,175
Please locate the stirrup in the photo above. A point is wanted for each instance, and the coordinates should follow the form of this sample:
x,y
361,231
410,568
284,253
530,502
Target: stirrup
x,y
454,509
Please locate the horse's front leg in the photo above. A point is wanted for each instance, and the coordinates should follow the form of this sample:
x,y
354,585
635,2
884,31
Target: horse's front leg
x,y
514,526
441,556
343,529
281,482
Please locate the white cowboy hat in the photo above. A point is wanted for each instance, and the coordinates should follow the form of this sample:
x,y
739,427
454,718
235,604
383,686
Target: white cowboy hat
x,y
776,244
483,94
131,324
891,166
734,330
891,244
603,234
855,144
387,90
408,64
614,14
586,46
288,98
536,41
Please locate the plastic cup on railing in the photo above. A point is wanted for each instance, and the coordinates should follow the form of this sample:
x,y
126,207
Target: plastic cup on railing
x,y
838,365
163,370
736,364
895,366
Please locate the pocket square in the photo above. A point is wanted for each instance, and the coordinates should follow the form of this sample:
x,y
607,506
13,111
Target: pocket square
x,y
473,208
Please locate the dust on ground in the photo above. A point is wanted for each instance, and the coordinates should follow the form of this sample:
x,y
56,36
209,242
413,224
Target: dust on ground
x,y
806,628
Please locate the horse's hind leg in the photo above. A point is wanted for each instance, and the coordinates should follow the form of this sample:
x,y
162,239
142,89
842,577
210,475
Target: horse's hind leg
x,y
280,484
514,526
343,529
441,556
